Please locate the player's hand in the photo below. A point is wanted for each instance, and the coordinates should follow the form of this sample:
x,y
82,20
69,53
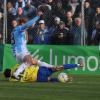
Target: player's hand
x,y
81,64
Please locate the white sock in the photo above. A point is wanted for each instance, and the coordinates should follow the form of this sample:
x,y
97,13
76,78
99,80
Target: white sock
x,y
20,69
40,63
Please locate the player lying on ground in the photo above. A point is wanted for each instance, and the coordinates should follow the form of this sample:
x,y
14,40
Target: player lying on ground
x,y
37,73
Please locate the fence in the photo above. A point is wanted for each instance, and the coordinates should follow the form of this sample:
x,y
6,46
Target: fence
x,y
83,33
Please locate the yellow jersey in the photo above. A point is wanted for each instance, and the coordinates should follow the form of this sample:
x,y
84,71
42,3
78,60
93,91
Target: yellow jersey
x,y
28,75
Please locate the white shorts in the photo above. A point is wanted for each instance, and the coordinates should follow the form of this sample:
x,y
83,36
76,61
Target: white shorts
x,y
20,56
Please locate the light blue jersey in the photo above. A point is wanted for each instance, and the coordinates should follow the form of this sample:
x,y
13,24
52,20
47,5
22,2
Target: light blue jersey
x,y
18,37
18,42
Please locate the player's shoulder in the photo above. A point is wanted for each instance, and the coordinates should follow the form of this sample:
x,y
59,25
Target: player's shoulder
x,y
17,28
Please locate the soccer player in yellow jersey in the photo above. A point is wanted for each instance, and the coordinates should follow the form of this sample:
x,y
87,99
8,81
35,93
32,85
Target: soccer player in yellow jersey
x,y
36,73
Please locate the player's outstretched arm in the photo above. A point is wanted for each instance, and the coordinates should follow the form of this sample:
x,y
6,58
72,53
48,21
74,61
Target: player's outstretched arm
x,y
29,23
32,22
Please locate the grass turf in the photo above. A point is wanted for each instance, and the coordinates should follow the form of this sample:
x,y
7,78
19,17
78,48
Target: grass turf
x,y
82,88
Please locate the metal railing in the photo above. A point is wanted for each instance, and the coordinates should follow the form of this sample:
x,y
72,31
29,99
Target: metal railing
x,y
83,32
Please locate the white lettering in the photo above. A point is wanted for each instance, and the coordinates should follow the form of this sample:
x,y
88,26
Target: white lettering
x,y
91,68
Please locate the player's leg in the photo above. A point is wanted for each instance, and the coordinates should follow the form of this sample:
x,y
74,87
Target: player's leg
x,y
70,66
59,68
41,63
44,74
67,66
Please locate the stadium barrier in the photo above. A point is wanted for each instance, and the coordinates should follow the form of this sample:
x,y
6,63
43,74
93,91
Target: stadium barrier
x,y
61,54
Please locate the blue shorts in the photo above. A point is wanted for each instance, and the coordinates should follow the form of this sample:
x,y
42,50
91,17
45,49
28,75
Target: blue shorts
x,y
43,74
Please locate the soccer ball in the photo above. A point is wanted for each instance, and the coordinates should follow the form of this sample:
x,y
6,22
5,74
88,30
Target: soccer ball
x,y
63,77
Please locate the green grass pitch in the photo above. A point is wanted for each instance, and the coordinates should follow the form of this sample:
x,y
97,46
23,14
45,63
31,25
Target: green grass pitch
x,y
82,88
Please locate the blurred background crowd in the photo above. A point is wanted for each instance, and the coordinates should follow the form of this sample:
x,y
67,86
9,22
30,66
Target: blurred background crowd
x,y
65,22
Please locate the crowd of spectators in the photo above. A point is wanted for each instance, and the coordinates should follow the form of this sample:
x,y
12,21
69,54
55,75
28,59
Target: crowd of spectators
x,y
60,24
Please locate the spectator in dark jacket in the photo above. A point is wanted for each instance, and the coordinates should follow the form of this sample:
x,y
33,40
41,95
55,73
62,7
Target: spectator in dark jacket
x,y
96,34
29,10
42,35
76,32
61,35
89,14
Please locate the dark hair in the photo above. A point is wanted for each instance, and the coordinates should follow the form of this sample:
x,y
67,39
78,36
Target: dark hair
x,y
7,73
22,20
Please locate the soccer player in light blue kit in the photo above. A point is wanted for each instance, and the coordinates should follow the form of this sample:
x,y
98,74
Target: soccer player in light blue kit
x,y
19,48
